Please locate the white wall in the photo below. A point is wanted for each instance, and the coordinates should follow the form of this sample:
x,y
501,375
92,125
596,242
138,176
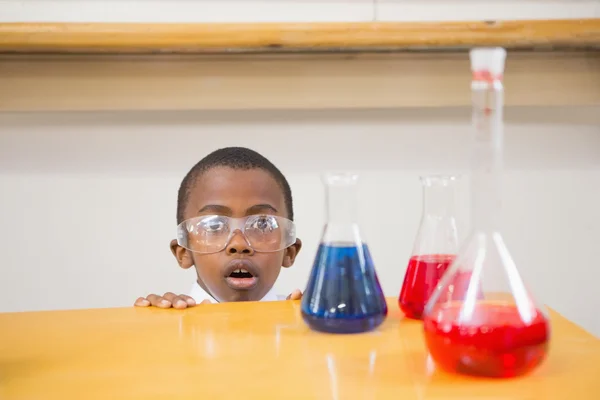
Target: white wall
x,y
473,10
87,203
291,10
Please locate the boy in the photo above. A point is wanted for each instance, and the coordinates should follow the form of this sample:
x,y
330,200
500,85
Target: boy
x,y
234,216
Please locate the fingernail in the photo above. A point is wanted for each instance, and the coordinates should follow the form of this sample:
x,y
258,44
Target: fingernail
x,y
180,303
164,302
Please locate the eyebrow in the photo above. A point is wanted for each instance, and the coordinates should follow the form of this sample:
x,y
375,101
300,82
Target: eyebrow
x,y
260,207
218,209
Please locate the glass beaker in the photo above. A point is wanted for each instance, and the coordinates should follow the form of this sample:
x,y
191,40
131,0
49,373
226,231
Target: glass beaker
x,y
497,329
435,246
343,294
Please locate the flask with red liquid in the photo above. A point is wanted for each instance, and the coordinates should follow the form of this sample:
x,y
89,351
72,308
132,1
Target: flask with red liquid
x,y
435,246
497,329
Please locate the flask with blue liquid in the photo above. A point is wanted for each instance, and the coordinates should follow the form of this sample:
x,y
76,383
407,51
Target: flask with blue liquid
x,y
343,294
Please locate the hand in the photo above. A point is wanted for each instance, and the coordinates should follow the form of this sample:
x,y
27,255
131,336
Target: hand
x,y
168,300
295,295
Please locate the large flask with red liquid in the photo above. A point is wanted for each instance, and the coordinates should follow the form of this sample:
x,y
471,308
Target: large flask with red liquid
x,y
435,246
497,329
343,294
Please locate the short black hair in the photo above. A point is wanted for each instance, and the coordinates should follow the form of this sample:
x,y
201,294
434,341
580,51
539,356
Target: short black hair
x,y
239,158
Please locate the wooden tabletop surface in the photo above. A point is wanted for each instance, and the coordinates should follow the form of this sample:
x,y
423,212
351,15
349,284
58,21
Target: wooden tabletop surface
x,y
257,350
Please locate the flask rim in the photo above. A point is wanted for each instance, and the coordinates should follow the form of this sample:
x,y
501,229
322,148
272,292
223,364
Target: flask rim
x,y
439,179
340,178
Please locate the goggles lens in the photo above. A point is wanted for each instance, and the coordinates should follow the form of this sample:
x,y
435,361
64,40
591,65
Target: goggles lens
x,y
212,233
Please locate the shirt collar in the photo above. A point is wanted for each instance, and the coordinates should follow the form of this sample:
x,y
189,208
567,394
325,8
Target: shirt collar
x,y
199,295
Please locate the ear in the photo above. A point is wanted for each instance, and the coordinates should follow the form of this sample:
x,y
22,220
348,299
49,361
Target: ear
x,y
183,256
290,254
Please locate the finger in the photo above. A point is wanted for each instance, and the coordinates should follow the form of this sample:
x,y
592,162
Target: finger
x,y
141,302
175,300
206,301
169,296
296,295
190,301
179,303
158,301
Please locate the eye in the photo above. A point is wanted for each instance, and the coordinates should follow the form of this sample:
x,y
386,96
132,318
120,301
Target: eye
x,y
264,223
212,225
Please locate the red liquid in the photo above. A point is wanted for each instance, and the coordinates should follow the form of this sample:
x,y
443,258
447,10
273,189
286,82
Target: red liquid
x,y
495,342
422,276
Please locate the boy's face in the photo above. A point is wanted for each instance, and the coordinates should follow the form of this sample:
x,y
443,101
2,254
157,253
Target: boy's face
x,y
236,193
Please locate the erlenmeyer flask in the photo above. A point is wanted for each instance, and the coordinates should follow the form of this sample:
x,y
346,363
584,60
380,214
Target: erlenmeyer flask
x,y
435,246
343,294
502,332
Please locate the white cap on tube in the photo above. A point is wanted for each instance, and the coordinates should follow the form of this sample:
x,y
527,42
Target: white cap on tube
x,y
488,59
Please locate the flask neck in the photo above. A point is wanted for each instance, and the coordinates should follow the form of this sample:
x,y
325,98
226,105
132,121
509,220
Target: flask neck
x,y
342,205
488,103
437,232
341,212
438,197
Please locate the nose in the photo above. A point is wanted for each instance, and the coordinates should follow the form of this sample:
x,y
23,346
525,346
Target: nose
x,y
239,244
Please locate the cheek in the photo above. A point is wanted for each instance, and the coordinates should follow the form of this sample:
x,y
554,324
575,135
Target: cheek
x,y
272,261
208,264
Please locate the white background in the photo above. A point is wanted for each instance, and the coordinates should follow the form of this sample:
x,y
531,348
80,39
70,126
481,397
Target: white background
x,y
291,10
88,200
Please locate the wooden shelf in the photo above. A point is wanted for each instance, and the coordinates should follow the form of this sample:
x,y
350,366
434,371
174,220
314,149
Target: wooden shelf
x,y
290,81
106,67
102,38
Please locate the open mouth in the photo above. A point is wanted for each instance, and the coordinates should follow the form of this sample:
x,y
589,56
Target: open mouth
x,y
241,273
241,276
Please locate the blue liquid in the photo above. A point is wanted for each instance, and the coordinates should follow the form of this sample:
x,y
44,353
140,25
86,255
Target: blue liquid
x,y
343,294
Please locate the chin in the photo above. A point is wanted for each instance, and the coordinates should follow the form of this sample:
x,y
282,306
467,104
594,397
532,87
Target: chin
x,y
241,295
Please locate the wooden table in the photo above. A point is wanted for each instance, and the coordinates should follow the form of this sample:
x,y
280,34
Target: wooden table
x,y
257,350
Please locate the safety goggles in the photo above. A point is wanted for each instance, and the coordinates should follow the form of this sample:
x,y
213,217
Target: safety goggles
x,y
212,233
